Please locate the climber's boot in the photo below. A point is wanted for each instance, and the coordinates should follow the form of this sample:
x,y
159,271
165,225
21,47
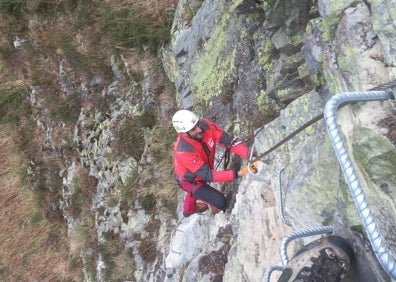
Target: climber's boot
x,y
200,207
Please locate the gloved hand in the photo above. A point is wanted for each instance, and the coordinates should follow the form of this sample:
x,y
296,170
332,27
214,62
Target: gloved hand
x,y
254,166
245,169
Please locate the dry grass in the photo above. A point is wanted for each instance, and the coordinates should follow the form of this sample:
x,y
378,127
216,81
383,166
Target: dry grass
x,y
152,7
32,248
29,244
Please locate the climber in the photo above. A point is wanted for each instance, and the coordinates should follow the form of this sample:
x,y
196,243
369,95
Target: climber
x,y
194,155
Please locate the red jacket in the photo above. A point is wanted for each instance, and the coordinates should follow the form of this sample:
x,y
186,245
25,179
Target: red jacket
x,y
194,160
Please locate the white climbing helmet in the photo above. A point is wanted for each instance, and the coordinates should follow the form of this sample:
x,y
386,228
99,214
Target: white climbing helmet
x,y
184,120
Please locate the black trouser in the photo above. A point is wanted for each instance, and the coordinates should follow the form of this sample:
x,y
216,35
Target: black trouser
x,y
211,196
203,192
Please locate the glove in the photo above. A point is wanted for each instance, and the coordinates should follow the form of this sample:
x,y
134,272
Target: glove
x,y
253,168
243,171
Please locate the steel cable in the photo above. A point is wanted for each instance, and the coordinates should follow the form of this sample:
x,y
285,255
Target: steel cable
x,y
374,234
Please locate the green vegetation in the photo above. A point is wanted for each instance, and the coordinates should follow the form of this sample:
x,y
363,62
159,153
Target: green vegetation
x,y
128,27
129,135
118,261
158,179
13,7
148,202
18,8
83,187
129,138
67,109
12,103
143,25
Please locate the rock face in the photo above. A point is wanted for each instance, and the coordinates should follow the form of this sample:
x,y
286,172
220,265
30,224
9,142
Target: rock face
x,y
270,66
261,69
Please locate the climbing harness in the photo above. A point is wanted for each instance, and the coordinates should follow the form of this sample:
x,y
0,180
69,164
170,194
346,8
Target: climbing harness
x,y
226,155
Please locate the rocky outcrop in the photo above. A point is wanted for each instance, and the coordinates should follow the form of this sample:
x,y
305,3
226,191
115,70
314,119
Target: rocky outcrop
x,y
278,63
261,69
